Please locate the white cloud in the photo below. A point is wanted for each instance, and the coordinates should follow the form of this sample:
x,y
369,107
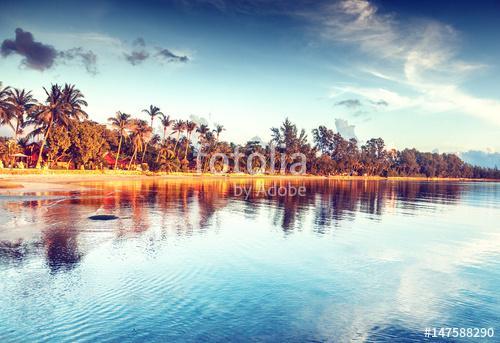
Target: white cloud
x,y
346,130
424,53
87,39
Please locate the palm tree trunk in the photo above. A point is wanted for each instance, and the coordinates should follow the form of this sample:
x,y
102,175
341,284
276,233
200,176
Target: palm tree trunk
x,y
176,142
17,130
133,157
147,143
118,153
39,161
187,146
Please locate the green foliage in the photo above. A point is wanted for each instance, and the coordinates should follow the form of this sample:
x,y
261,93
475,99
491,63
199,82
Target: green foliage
x,y
8,147
61,128
58,142
88,144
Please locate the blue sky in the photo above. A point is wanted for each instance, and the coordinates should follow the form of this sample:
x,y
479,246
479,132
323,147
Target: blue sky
x,y
419,74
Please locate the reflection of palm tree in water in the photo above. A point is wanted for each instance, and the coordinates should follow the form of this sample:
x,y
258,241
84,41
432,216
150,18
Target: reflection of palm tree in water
x,y
61,248
329,202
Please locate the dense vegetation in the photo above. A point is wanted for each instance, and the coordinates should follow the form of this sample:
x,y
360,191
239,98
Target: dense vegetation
x,y
60,128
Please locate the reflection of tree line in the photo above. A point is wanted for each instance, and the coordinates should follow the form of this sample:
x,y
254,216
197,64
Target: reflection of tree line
x,y
195,204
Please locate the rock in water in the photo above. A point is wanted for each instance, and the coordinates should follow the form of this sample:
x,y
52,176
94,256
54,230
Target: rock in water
x,y
103,217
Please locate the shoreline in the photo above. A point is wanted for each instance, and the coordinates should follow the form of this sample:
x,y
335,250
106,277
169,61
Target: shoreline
x,y
32,180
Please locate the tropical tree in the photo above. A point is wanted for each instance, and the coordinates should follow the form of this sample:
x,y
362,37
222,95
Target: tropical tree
x,y
152,112
121,123
21,102
166,122
58,142
202,131
5,112
165,151
288,137
289,142
190,127
63,105
88,143
141,132
166,157
323,138
374,156
218,130
179,127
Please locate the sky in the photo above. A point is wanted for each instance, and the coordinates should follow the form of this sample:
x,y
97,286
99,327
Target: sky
x,y
421,74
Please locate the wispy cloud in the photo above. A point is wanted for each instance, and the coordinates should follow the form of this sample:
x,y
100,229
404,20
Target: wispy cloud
x,y
169,56
349,103
86,57
378,96
422,56
141,52
136,57
379,103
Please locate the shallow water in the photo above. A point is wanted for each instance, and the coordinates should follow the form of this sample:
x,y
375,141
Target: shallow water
x,y
193,261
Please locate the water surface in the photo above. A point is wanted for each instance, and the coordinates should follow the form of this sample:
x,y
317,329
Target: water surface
x,y
192,261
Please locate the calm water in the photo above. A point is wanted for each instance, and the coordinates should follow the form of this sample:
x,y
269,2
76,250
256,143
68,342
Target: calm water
x,y
350,261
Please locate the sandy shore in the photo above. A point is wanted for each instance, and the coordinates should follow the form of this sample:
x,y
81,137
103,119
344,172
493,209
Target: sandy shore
x,y
30,180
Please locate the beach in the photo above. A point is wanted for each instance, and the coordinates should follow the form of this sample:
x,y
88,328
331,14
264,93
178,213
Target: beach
x,y
33,180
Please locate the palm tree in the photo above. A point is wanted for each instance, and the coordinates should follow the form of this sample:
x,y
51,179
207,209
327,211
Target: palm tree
x,y
5,105
75,99
190,126
218,130
165,123
121,123
202,131
21,104
155,140
165,152
179,127
153,111
141,132
63,105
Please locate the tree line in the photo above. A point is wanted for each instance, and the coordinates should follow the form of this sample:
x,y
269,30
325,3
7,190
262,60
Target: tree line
x,y
57,133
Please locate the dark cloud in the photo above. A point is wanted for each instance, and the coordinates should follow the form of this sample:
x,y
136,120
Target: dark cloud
x,y
39,56
136,57
171,57
380,103
87,58
36,55
343,127
349,103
